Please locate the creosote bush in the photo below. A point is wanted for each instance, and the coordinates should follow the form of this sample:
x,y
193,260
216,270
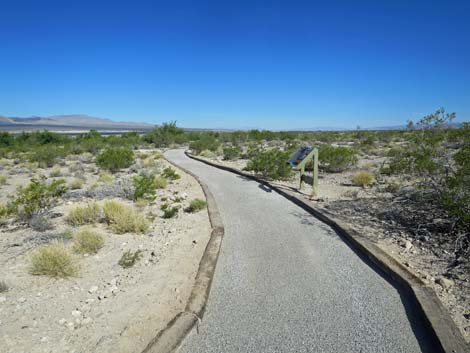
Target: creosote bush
x,y
231,153
271,164
170,173
144,187
87,241
114,159
363,179
53,260
124,219
37,197
196,205
80,215
169,212
129,258
336,159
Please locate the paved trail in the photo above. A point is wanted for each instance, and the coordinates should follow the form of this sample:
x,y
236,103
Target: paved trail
x,y
285,282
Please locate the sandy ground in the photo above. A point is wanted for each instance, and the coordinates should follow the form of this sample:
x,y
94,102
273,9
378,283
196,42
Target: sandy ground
x,y
426,259
106,308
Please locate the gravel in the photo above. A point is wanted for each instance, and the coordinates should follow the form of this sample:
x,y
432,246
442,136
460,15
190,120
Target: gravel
x,y
285,282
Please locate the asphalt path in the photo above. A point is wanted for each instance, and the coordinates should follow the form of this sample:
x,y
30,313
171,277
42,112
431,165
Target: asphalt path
x,y
286,282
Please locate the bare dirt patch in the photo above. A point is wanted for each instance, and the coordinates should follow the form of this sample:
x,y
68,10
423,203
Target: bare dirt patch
x,y
105,308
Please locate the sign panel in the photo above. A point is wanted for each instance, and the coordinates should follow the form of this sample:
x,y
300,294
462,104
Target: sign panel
x,y
299,155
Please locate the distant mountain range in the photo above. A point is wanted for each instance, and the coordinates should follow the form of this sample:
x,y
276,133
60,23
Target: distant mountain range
x,y
69,122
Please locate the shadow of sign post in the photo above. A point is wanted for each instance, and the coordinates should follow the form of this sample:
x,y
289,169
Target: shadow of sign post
x,y
299,159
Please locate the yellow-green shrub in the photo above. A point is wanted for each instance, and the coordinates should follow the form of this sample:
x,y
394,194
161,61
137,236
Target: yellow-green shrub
x,y
81,215
124,219
53,260
87,241
363,179
160,182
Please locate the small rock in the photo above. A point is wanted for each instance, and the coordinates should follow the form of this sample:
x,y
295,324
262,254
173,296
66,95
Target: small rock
x,y
87,321
90,301
445,282
70,326
408,245
22,299
76,313
2,299
93,289
62,322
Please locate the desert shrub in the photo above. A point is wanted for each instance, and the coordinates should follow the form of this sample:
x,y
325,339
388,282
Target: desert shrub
x,y
3,179
4,211
363,179
124,219
196,205
170,173
206,141
157,155
3,287
253,150
105,178
336,159
114,159
40,223
208,154
76,183
231,153
80,215
87,241
53,260
169,212
45,156
165,135
392,187
149,162
160,182
144,187
56,171
75,168
129,258
271,164
37,197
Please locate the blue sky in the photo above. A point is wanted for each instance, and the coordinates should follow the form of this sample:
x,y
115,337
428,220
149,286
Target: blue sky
x,y
236,64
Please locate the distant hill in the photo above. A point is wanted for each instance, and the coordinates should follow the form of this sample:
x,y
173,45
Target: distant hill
x,y
69,122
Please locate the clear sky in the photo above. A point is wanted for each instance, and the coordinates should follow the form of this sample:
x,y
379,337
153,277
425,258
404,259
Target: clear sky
x,y
236,64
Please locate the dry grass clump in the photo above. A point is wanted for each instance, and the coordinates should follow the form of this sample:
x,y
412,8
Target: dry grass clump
x,y
56,171
105,178
124,219
129,258
3,179
196,205
3,287
53,260
77,183
87,241
148,162
80,215
363,179
160,182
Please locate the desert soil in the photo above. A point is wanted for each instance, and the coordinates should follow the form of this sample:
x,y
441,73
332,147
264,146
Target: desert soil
x,y
106,308
370,211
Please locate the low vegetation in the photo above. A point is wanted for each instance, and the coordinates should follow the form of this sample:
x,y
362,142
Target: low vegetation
x,y
53,260
270,164
80,215
36,198
87,241
114,159
129,258
363,179
123,218
170,173
145,187
196,205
